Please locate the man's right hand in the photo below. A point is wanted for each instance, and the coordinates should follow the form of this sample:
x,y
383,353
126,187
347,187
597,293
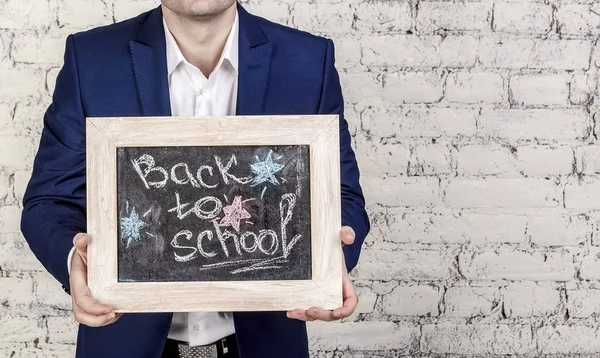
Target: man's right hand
x,y
85,309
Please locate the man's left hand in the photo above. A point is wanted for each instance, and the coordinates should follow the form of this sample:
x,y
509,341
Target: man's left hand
x,y
348,292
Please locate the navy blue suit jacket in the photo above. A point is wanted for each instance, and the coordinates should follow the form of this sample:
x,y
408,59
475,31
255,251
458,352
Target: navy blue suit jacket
x,y
120,70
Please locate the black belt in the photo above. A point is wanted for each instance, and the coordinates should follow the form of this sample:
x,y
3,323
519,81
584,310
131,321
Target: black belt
x,y
223,348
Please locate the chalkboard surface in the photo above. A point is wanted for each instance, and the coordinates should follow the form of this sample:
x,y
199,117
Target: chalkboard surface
x,y
227,213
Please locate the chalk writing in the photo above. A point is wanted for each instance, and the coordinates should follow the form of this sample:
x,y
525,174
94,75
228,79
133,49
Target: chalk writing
x,y
230,213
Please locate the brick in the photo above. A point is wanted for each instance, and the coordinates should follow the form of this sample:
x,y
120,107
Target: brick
x,y
402,51
402,191
20,329
530,300
468,87
412,301
590,265
19,82
436,16
413,87
582,194
548,124
517,265
371,87
508,161
383,159
29,117
545,160
419,122
6,38
125,9
502,193
419,51
352,116
51,79
403,265
15,255
347,52
366,300
488,159
535,54
82,14
529,17
10,216
589,162
477,339
539,89
577,20
38,48
49,292
344,336
458,228
5,188
457,51
568,339
64,329
494,228
430,159
16,152
21,178
57,351
470,301
581,89
383,17
559,230
16,291
324,17
18,14
273,10
583,303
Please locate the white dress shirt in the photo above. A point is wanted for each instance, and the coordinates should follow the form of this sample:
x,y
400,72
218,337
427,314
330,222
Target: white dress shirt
x,y
192,94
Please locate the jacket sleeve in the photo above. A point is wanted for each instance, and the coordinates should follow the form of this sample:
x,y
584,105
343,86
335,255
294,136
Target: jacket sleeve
x,y
353,202
54,202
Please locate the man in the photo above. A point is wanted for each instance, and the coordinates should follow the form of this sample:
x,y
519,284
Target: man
x,y
185,58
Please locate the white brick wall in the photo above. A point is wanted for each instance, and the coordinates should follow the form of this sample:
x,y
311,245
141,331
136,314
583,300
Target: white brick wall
x,y
475,124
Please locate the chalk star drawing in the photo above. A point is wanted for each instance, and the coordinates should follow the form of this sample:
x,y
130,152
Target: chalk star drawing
x,y
234,213
131,226
265,171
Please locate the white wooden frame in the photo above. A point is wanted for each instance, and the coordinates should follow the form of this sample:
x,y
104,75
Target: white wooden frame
x,y
321,133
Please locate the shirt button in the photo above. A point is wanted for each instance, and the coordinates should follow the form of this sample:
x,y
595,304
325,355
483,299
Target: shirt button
x,y
196,328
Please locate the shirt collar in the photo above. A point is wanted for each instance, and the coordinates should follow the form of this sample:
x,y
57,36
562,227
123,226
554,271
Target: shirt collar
x,y
230,51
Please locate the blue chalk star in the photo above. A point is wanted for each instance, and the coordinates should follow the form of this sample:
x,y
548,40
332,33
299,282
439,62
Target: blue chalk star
x,y
130,227
265,171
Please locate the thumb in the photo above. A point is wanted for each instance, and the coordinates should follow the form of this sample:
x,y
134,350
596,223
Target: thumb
x,y
81,241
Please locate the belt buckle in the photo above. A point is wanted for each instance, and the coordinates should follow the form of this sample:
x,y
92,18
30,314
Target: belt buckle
x,y
207,351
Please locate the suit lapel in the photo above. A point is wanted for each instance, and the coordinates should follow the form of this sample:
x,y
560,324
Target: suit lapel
x,y
148,54
254,64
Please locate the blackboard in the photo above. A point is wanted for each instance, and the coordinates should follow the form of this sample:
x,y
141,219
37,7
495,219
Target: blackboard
x,y
213,213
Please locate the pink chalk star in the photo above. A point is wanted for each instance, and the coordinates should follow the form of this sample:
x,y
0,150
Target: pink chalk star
x,y
234,213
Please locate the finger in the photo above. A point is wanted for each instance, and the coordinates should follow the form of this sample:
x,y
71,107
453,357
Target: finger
x,y
81,242
115,319
81,293
299,315
347,235
350,299
94,320
320,314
